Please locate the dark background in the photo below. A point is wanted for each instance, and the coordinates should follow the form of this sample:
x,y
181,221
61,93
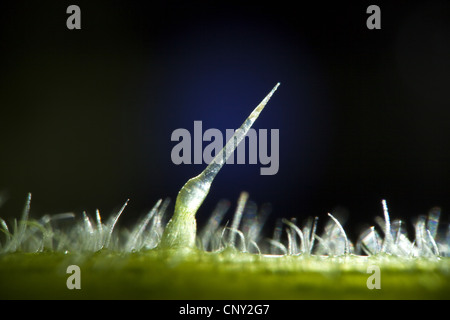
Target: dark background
x,y
86,115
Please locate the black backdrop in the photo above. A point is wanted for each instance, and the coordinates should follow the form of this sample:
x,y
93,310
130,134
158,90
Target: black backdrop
x,y
86,115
